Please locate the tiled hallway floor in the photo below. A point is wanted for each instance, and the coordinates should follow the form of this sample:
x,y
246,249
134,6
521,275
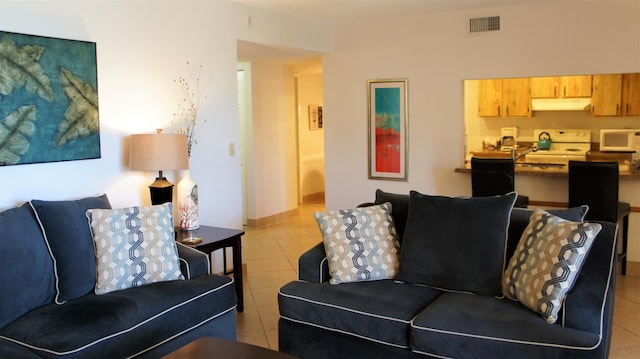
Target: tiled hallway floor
x,y
270,254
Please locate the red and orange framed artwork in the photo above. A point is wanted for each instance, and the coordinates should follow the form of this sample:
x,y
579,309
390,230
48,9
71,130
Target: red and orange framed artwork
x,y
388,125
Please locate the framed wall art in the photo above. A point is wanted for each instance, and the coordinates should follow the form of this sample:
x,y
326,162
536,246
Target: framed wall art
x,y
315,117
48,100
388,126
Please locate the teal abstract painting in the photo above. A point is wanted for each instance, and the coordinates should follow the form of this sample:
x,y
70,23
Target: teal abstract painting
x,y
48,100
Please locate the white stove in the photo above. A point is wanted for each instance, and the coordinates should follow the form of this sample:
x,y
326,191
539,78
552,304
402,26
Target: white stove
x,y
566,145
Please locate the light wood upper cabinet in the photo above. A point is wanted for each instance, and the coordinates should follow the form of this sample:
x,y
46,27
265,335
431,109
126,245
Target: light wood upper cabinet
x,y
607,95
561,86
504,98
545,87
489,98
631,94
576,86
516,97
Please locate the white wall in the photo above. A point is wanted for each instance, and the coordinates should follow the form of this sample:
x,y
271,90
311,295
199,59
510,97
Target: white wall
x,y
142,47
310,142
274,178
436,55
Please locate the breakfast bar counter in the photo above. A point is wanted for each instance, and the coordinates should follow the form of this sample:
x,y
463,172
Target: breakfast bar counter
x,y
553,171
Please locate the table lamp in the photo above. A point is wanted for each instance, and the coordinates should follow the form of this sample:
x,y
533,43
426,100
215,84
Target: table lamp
x,y
159,152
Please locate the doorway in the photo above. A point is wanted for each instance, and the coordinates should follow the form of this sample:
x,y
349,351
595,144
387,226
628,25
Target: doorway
x,y
278,91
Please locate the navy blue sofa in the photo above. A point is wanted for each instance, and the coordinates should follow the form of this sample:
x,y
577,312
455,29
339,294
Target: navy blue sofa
x,y
49,310
392,319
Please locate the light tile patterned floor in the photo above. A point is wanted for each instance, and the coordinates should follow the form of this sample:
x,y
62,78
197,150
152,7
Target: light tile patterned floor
x,y
271,253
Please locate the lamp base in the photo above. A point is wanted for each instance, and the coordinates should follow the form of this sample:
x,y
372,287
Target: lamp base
x,y
161,191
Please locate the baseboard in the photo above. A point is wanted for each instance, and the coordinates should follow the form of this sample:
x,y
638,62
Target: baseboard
x,y
271,219
313,198
633,268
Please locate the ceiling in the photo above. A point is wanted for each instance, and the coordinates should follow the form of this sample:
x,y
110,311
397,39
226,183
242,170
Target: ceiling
x,y
336,12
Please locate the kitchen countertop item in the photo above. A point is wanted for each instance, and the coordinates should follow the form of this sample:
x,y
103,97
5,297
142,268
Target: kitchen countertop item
x,y
544,140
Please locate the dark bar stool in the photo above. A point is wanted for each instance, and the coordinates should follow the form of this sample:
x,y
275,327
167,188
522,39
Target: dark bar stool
x,y
596,185
493,177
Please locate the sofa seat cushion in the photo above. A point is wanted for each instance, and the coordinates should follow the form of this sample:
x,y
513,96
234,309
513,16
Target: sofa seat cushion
x,y
379,311
455,326
123,323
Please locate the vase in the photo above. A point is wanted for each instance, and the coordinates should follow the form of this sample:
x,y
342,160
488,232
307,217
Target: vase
x,y
187,203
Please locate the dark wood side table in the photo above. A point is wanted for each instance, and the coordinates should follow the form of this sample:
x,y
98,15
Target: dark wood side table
x,y
214,238
209,347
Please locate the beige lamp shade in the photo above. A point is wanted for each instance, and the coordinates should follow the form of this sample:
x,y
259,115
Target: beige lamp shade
x,y
158,152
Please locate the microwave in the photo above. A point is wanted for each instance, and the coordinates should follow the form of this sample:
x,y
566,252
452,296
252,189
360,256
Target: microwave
x,y
620,140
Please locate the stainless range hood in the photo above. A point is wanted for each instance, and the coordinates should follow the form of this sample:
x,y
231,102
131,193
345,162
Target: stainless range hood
x,y
561,104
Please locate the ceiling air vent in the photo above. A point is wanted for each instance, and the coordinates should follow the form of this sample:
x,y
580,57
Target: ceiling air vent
x,y
484,24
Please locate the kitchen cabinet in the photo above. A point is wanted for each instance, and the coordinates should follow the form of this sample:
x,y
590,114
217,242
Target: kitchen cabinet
x,y
607,95
561,86
616,95
576,86
545,87
631,94
504,98
489,98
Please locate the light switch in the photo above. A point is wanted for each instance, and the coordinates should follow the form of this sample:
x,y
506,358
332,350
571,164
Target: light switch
x,y
232,149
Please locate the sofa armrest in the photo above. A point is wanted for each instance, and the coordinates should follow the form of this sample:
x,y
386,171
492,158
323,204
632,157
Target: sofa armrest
x,y
313,265
193,263
589,305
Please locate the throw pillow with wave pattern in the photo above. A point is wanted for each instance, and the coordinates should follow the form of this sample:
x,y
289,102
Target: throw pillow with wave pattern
x,y
361,244
134,246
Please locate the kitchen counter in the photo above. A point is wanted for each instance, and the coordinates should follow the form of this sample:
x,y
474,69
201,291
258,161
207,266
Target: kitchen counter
x,y
526,169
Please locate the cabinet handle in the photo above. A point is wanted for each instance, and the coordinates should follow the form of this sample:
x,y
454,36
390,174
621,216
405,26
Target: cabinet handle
x,y
617,109
555,91
627,109
564,89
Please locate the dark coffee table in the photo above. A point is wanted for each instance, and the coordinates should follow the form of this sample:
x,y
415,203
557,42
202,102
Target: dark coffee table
x,y
209,347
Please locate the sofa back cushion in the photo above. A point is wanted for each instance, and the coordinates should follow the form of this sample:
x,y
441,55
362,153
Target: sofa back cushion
x,y
27,279
456,243
399,208
67,234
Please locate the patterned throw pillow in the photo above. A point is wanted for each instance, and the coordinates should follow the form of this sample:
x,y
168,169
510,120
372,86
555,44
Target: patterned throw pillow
x,y
547,262
361,244
134,246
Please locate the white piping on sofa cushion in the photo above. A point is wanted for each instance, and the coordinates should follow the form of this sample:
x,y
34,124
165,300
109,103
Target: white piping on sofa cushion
x,y
186,263
611,265
183,332
344,308
345,332
122,331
